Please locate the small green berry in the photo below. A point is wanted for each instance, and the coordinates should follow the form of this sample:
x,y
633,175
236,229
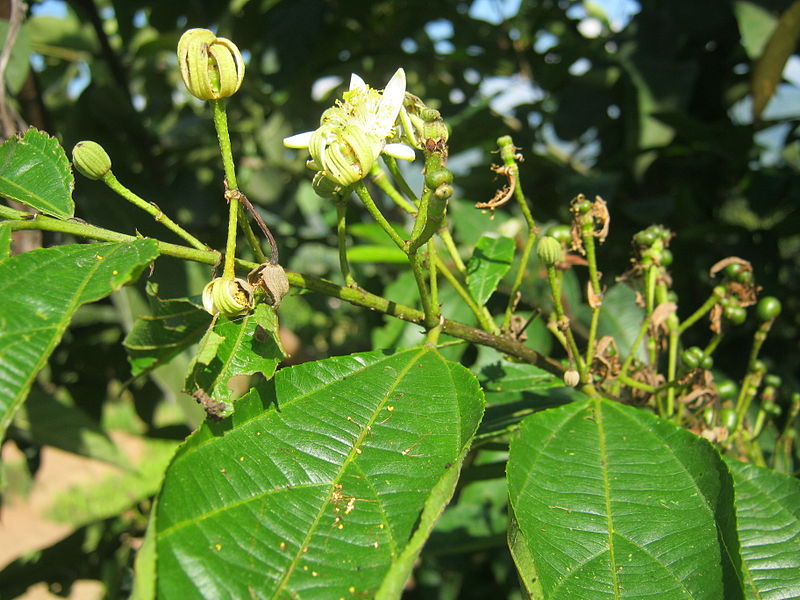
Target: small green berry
x,y
768,308
772,380
707,362
727,389
727,417
735,314
561,233
732,270
437,177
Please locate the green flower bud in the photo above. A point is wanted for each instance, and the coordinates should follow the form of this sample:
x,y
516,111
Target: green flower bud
x,y
549,251
768,308
211,66
91,160
323,186
231,297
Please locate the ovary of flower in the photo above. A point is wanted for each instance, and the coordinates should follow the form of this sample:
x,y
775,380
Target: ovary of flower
x,y
354,132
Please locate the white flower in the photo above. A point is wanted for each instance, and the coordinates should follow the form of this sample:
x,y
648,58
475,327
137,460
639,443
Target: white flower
x,y
354,132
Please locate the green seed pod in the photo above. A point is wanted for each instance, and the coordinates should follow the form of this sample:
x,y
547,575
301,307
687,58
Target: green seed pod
x,y
561,233
211,66
727,389
732,270
91,160
231,297
549,251
773,380
707,362
768,308
735,314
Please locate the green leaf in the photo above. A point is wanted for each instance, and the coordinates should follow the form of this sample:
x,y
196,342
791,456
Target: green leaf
x,y
615,503
769,67
41,290
172,326
768,518
621,318
238,346
19,64
34,170
323,484
756,24
47,420
514,391
489,262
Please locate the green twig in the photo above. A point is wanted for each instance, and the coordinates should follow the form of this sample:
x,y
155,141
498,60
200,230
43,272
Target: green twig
x,y
231,184
341,237
373,210
355,296
153,210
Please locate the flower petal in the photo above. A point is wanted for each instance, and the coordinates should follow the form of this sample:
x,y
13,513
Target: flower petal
x,y
391,102
401,151
299,140
356,82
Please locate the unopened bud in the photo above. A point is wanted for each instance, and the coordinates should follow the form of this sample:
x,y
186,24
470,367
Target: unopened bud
x,y
571,377
91,160
549,251
211,66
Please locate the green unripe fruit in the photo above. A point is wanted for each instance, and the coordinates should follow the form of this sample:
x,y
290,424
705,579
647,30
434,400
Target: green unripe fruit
x,y
692,357
91,160
666,258
773,380
444,191
437,177
707,362
727,390
561,233
436,131
759,366
768,308
727,417
582,207
732,270
744,276
549,251
771,409
645,238
735,314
